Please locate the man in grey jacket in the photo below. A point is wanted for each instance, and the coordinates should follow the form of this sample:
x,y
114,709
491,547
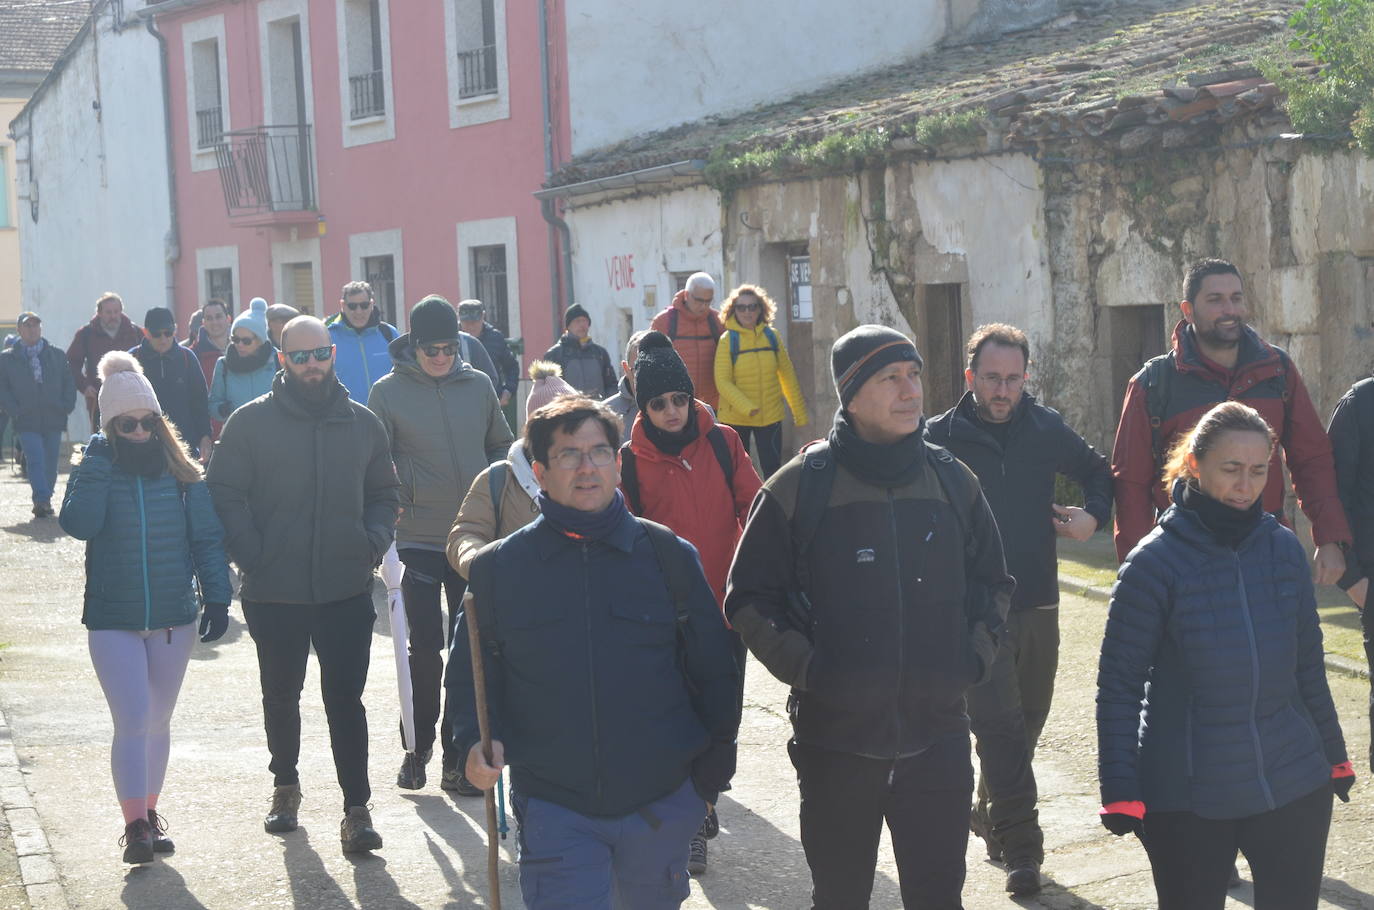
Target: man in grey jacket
x,y
445,426
38,392
303,482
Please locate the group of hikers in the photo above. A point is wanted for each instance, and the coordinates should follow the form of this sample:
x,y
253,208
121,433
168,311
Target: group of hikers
x,y
622,558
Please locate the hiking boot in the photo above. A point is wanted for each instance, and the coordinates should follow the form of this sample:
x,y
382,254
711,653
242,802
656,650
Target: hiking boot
x,y
356,832
286,802
1023,878
453,779
696,854
412,773
161,842
976,825
137,842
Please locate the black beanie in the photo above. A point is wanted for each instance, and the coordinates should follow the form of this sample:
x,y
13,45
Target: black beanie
x,y
864,351
159,317
659,369
433,319
573,312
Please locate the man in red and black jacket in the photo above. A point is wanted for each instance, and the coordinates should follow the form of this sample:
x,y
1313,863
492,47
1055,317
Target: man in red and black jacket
x,y
1216,356
109,330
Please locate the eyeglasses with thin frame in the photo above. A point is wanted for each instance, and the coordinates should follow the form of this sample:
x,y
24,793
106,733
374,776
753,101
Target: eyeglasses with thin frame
x,y
996,381
571,459
439,350
162,333
129,424
300,358
358,306
243,340
678,399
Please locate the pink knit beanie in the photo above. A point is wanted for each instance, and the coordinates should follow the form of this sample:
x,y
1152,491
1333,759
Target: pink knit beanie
x,y
548,385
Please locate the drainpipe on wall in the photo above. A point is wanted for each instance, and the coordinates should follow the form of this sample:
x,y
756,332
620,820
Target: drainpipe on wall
x,y
172,243
546,206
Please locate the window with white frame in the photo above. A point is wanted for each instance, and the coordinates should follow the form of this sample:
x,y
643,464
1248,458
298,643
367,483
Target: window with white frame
x,y
208,95
206,77
363,28
219,284
489,277
475,37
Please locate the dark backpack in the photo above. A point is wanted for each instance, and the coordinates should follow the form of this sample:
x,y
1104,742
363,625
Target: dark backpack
x,y
711,319
678,568
734,344
629,473
1157,376
813,498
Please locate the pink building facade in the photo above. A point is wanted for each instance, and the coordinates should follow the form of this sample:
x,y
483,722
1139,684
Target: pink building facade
x,y
321,141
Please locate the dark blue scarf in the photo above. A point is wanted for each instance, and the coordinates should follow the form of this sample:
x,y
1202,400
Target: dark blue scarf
x,y
576,523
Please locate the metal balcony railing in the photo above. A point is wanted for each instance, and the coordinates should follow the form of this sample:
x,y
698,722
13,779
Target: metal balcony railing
x,y
477,72
267,169
209,127
368,97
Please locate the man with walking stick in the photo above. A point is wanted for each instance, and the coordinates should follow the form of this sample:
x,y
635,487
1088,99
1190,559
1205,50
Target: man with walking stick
x,y
609,681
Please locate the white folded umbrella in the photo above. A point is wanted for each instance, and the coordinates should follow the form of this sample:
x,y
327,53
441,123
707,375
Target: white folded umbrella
x,y
392,572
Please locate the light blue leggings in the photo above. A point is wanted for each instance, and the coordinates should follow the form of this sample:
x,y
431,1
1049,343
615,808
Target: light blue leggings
x,y
141,674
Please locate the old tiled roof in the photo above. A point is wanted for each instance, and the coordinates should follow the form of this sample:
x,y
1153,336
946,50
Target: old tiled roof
x,y
33,33
1129,76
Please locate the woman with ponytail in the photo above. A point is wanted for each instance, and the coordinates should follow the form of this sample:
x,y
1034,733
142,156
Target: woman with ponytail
x,y
139,501
1235,744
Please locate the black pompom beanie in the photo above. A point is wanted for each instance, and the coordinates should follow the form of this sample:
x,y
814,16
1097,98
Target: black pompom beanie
x,y
659,369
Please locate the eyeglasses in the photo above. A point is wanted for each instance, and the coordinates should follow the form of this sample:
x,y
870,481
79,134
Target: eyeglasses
x,y
705,300
571,459
162,333
303,357
243,341
129,424
747,307
439,350
358,306
678,399
996,381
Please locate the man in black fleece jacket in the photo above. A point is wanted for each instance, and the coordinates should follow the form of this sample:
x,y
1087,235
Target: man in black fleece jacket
x,y
1017,447
907,592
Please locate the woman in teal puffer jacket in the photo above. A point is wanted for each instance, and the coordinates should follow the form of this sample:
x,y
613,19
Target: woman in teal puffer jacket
x,y
139,501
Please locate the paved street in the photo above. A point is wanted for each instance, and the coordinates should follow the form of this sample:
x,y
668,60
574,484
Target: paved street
x,y
218,785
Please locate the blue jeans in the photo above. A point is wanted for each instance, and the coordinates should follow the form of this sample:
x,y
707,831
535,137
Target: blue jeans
x,y
40,454
570,861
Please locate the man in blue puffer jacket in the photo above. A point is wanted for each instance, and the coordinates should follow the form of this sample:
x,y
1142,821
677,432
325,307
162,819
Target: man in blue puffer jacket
x,y
360,340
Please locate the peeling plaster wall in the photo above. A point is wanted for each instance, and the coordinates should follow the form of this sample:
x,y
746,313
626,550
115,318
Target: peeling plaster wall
x,y
626,251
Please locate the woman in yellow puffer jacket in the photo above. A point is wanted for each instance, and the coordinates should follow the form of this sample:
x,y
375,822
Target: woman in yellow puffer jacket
x,y
754,374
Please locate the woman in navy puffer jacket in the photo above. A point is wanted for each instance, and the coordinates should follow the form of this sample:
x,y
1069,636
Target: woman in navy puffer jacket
x,y
1216,729
138,500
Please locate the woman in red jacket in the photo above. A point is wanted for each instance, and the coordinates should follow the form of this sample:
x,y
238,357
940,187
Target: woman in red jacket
x,y
684,470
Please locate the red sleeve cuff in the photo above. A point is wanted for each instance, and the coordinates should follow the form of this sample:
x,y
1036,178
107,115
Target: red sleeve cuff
x,y
1135,808
1344,769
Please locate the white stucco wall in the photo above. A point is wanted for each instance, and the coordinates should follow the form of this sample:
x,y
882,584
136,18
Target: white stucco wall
x,y
101,182
641,67
9,215
625,252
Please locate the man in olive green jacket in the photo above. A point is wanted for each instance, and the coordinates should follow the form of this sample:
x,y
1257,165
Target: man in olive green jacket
x,y
445,426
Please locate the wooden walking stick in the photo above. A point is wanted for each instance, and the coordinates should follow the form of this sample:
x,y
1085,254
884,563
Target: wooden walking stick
x,y
479,686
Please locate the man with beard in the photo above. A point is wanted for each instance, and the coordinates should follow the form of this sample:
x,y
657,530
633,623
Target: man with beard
x,y
1216,356
303,481
1018,448
109,330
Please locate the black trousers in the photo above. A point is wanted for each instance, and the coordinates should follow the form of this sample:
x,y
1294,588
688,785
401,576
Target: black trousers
x,y
1191,856
427,578
769,440
1366,617
342,635
924,798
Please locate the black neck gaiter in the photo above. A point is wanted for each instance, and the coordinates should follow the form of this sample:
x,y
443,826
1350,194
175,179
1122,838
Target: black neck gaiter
x,y
892,465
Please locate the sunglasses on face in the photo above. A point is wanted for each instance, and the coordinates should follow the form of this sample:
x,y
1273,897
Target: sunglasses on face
x,y
747,307
162,333
242,341
359,306
678,400
439,350
303,357
130,424
705,300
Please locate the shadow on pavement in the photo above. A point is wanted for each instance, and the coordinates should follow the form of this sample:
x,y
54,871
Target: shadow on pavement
x,y
204,651
42,530
459,821
1338,892
158,884
311,883
374,885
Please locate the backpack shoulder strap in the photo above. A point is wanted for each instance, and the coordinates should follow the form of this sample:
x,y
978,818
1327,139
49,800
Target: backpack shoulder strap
x,y
1157,376
772,337
672,323
629,478
677,569
722,449
717,328
955,481
496,486
734,345
813,497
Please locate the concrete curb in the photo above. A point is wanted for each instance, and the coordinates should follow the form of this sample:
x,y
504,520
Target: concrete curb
x,y
1335,663
37,867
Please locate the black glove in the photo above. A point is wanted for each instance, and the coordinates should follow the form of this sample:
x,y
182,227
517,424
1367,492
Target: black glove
x,y
1342,779
99,445
1122,823
712,770
214,621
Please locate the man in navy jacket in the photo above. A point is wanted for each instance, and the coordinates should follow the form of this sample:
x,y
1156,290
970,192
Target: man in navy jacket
x,y
176,376
610,682
1018,447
